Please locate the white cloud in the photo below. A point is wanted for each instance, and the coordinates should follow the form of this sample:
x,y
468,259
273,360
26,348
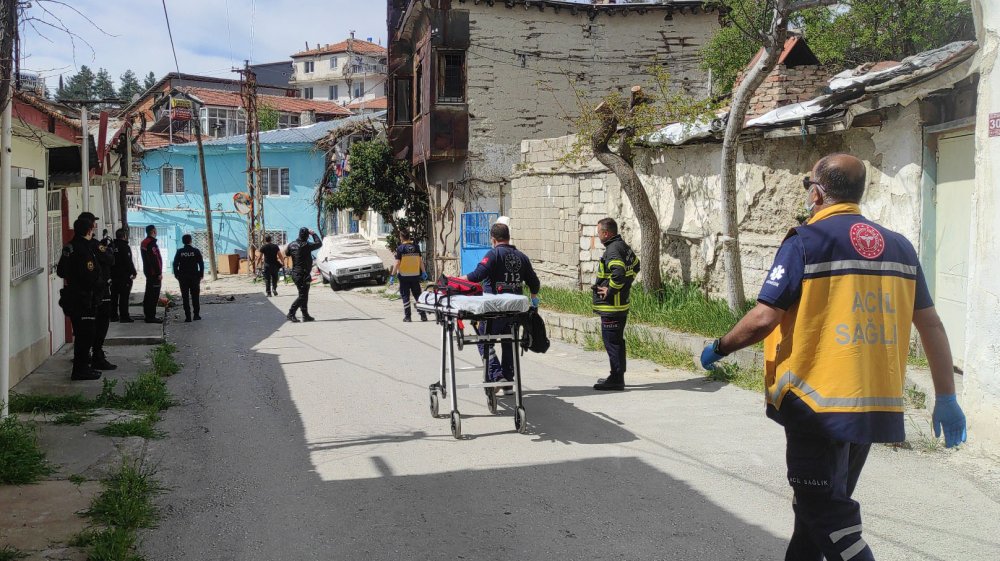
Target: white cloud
x,y
208,41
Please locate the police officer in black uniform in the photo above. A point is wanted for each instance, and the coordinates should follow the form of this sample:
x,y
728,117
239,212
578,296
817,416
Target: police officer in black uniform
x,y
122,274
300,251
81,295
270,258
102,321
189,268
504,270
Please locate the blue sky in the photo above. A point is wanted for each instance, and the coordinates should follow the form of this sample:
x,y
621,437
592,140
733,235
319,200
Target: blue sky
x,y
207,40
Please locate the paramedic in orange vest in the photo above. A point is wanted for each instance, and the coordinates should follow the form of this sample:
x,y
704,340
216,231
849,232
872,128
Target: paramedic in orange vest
x,y
835,314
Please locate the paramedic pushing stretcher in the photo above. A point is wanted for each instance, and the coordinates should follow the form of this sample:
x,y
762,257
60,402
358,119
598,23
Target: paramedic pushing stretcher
x,y
504,270
834,314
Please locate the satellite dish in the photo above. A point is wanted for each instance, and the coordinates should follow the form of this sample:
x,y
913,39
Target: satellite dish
x,y
243,203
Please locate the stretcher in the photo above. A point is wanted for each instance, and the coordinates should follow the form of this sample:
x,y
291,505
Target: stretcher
x,y
451,312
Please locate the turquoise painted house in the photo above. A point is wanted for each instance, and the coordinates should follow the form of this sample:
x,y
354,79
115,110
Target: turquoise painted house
x,y
171,190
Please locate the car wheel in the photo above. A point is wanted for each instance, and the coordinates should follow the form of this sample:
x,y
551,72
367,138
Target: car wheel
x,y
334,285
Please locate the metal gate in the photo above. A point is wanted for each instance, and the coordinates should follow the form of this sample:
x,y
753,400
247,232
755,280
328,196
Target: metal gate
x,y
475,238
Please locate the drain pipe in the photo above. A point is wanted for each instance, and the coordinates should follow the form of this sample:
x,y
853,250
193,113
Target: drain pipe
x,y
5,266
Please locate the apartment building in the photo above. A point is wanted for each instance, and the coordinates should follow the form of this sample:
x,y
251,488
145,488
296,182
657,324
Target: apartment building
x,y
351,72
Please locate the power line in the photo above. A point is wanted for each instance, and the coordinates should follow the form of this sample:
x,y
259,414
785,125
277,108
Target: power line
x,y
253,21
229,32
171,35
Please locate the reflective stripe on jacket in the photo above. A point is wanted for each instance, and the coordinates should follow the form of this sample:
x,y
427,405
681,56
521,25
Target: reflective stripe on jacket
x,y
616,270
836,363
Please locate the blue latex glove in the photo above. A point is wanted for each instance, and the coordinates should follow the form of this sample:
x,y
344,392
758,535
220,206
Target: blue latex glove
x,y
534,301
423,276
392,280
709,357
949,419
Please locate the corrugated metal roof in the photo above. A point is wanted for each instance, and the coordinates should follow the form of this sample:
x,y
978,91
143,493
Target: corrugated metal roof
x,y
299,135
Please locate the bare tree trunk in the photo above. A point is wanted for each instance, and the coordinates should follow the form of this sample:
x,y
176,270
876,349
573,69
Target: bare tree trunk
x,y
649,223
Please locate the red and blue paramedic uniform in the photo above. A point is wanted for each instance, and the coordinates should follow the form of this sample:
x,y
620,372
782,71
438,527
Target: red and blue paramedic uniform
x,y
835,365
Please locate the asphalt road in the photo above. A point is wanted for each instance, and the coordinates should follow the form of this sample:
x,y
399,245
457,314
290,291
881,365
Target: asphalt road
x,y
314,441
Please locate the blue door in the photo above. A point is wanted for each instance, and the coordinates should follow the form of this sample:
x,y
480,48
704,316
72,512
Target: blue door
x,y
475,238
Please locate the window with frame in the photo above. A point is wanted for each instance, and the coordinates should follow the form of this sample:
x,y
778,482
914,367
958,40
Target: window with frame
x,y
25,258
403,100
274,182
223,121
333,62
451,77
334,93
309,66
278,237
288,120
359,88
307,93
53,200
172,181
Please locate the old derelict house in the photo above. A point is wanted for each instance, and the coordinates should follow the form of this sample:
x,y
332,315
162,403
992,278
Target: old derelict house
x,y
470,79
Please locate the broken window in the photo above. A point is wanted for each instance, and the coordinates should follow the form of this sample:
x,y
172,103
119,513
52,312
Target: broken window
x,y
451,77
402,101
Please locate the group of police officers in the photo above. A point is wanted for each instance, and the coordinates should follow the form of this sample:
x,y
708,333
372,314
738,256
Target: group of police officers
x,y
833,380
98,275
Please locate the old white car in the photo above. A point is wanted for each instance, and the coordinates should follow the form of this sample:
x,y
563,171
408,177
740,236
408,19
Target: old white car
x,y
347,259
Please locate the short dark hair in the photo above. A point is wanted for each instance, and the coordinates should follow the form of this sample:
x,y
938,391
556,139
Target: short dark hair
x,y
150,229
121,233
82,225
841,183
405,235
186,239
500,232
608,224
267,239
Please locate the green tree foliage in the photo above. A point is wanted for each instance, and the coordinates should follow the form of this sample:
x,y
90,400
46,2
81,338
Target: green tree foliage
x,y
104,88
79,85
842,36
129,86
267,117
874,30
149,81
379,182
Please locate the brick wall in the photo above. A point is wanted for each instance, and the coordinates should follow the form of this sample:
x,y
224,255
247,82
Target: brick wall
x,y
785,86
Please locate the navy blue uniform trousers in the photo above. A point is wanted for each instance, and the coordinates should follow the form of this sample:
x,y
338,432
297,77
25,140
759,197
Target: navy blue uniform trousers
x,y
409,286
823,474
613,334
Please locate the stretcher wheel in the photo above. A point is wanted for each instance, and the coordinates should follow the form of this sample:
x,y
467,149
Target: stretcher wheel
x,y
520,420
491,400
434,405
460,340
456,424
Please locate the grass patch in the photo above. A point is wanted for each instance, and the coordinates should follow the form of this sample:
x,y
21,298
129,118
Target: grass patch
x,y
683,307
144,426
48,403
77,479
127,500
641,344
915,398
21,460
11,553
112,544
162,357
749,379
918,361
148,392
75,418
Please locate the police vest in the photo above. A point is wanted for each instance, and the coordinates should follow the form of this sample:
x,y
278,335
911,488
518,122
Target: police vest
x,y
836,363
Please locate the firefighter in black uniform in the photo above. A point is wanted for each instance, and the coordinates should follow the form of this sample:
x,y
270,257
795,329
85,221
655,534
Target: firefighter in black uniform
x,y
81,295
504,270
189,268
615,274
102,320
122,274
300,251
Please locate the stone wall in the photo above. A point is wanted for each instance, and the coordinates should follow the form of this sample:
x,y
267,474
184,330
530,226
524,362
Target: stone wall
x,y
683,186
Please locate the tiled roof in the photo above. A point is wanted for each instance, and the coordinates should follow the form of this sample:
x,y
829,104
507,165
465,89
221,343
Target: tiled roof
x,y
378,104
360,47
221,98
151,140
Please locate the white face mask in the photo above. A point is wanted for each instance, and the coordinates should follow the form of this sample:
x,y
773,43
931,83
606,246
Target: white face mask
x,y
810,205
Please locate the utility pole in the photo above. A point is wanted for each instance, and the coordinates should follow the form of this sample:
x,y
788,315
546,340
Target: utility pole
x,y
213,267
255,229
85,156
8,28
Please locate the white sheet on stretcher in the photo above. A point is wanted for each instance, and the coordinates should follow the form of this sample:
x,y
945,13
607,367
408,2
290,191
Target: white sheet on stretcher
x,y
477,305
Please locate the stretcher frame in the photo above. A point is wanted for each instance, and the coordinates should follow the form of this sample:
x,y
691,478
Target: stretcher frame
x,y
452,336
